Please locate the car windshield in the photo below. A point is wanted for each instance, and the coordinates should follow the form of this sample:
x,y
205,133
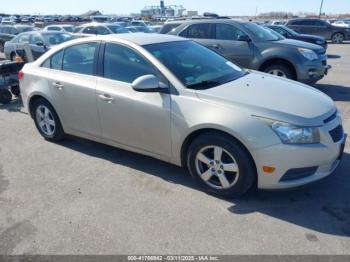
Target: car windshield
x,y
117,29
261,33
197,67
55,38
24,29
291,31
69,29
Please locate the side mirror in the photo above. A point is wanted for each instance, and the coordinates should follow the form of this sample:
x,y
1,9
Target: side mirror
x,y
149,84
244,38
40,43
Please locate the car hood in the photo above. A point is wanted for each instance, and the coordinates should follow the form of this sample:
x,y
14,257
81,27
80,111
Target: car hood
x,y
299,44
272,97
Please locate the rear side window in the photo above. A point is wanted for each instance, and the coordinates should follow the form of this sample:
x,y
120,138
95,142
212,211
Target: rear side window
x,y
201,31
54,28
318,23
80,58
302,22
168,28
124,64
227,32
23,38
90,30
100,30
55,61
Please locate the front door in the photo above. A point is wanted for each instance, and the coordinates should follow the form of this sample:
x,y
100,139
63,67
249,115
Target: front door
x,y
134,119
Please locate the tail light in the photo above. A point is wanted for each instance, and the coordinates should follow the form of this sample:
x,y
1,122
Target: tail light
x,y
20,75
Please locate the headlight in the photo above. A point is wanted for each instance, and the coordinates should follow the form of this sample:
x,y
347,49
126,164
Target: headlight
x,y
291,134
308,53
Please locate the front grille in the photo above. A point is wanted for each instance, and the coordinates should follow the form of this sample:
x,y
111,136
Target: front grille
x,y
331,118
337,133
324,62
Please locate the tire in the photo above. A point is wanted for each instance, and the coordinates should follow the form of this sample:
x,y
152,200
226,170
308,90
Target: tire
x,y
5,96
338,38
235,165
47,122
280,70
15,90
13,57
1,47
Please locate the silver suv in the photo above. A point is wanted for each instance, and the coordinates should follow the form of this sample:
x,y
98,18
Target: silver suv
x,y
175,100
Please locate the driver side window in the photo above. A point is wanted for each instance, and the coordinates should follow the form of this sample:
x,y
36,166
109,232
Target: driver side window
x,y
124,64
228,32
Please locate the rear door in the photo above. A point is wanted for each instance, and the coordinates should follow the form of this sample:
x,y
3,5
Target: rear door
x,y
202,33
72,81
229,46
303,26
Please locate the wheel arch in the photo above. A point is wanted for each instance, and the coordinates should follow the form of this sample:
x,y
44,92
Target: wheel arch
x,y
198,132
33,99
281,61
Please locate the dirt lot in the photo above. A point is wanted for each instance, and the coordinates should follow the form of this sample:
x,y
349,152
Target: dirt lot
x,y
80,197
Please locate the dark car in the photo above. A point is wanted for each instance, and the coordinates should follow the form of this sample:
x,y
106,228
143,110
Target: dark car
x,y
291,34
7,32
99,29
39,42
255,47
320,28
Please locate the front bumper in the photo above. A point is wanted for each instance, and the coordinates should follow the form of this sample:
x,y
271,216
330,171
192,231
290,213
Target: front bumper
x,y
321,159
310,72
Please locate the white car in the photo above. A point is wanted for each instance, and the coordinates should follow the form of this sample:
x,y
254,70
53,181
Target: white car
x,y
175,100
60,28
341,23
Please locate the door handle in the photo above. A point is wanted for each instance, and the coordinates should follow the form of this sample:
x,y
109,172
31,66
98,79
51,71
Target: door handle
x,y
106,97
58,85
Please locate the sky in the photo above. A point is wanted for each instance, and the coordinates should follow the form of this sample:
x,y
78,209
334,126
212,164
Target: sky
x,y
222,7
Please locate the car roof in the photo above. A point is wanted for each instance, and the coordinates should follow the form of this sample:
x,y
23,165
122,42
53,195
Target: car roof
x,y
137,38
211,21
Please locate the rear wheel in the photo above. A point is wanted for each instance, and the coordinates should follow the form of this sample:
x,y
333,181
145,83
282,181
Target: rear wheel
x,y
221,165
338,38
279,70
47,121
13,57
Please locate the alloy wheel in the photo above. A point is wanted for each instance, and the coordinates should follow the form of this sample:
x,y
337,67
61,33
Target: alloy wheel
x,y
217,167
277,72
45,120
338,38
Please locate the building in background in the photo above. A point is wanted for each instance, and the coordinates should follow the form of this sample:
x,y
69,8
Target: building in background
x,y
163,11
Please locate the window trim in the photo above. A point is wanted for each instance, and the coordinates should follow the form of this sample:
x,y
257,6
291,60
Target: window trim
x,y
95,63
211,31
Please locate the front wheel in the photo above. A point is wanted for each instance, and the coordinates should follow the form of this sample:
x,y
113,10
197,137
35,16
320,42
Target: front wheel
x,y
279,70
221,165
47,121
5,96
338,38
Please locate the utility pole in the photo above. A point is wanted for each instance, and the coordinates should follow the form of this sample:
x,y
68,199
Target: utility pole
x,y
321,9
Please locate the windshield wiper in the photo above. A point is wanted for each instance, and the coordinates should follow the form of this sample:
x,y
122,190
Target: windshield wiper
x,y
204,84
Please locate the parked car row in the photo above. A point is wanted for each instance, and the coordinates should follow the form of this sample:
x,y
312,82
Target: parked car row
x,y
255,47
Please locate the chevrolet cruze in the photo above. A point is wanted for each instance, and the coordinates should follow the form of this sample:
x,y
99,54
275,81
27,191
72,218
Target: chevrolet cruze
x,y
175,100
